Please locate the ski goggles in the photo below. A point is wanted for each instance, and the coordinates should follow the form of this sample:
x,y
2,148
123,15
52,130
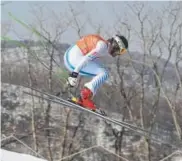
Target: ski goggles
x,y
122,49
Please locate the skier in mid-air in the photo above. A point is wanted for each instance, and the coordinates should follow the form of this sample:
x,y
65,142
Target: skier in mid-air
x,y
82,59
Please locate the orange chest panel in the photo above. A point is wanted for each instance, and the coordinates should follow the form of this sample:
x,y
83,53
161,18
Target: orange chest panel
x,y
88,43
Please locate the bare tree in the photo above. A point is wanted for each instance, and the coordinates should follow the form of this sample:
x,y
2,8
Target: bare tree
x,y
49,45
172,45
31,80
137,106
6,26
150,40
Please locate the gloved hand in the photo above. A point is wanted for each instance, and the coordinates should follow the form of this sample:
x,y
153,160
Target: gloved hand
x,y
72,79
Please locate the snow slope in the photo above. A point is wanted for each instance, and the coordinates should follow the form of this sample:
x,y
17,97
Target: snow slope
x,y
13,156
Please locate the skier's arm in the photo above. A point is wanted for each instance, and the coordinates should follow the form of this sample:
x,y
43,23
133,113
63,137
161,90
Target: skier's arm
x,y
95,53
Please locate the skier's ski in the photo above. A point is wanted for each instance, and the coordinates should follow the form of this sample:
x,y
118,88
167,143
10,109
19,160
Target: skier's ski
x,y
66,103
73,105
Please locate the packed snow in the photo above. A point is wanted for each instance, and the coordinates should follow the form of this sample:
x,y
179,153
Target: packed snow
x,y
14,156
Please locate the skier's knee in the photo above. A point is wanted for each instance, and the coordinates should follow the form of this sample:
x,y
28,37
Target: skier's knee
x,y
105,75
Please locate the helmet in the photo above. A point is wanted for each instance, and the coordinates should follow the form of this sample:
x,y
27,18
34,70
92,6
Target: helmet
x,y
119,45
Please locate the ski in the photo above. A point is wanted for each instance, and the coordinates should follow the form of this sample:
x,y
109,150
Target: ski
x,y
128,126
59,100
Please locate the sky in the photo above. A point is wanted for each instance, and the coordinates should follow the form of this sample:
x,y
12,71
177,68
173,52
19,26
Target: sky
x,y
100,12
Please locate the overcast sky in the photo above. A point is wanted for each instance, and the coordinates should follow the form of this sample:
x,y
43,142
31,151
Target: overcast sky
x,y
100,12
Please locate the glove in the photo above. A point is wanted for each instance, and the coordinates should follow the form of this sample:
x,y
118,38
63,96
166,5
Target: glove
x,y
72,79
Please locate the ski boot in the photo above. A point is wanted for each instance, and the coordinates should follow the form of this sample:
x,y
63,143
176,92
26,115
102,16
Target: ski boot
x,y
85,99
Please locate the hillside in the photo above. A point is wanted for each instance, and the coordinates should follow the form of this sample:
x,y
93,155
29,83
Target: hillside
x,y
83,130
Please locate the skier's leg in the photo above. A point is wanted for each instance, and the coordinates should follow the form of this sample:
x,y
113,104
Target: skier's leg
x,y
92,69
101,75
91,87
72,58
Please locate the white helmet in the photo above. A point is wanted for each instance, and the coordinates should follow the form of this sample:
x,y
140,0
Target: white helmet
x,y
119,44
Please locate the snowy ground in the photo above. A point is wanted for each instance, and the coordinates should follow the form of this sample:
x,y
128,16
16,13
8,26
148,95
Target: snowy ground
x,y
13,156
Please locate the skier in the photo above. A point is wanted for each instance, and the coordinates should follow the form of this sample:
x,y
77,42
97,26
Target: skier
x,y
82,59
